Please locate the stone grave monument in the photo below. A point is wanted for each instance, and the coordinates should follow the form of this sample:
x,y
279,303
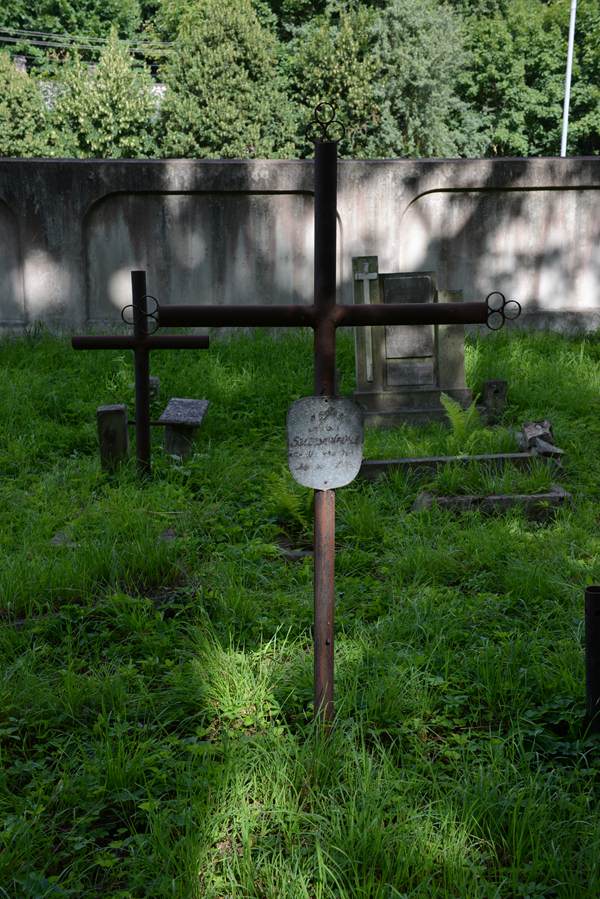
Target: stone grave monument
x,y
401,372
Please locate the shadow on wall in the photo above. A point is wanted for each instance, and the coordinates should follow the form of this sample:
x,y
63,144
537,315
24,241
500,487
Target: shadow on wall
x,y
241,245
535,243
230,231
12,300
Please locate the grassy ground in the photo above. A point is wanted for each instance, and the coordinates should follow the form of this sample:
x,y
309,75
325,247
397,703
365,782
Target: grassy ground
x,y
155,710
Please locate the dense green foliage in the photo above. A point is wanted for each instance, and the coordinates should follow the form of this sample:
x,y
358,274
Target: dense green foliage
x,y
408,77
23,117
77,17
517,75
107,111
155,646
421,50
225,96
331,60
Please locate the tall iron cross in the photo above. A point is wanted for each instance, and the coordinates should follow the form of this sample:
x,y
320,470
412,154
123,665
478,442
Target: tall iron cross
x,y
325,316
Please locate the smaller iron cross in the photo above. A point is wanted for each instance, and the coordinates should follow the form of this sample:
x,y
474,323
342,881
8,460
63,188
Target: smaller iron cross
x,y
142,342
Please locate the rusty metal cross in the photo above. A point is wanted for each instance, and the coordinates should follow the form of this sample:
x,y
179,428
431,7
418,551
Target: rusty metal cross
x,y
141,343
325,316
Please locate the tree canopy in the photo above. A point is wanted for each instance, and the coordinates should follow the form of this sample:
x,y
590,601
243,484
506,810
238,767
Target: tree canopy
x,y
408,77
226,95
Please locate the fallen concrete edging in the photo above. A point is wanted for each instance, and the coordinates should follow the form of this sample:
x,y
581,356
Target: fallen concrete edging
x,y
537,506
373,468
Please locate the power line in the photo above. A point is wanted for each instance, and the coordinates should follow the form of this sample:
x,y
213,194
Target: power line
x,y
77,37
45,39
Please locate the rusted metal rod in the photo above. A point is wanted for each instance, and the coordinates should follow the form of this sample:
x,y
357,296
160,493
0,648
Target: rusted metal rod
x,y
592,657
237,316
142,372
340,316
162,342
324,353
324,603
411,314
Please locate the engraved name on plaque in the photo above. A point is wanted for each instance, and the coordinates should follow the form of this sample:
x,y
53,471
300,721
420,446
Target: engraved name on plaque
x,y
325,441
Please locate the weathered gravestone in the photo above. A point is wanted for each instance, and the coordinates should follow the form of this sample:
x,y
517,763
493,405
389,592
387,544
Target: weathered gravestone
x,y
401,372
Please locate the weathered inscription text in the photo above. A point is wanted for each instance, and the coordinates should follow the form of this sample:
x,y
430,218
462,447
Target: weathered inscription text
x,y
325,439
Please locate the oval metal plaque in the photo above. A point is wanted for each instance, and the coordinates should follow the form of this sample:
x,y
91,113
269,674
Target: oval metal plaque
x,y
325,441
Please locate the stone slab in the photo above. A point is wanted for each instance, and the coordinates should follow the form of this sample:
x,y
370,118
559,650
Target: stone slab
x,y
185,412
113,435
408,287
406,373
403,342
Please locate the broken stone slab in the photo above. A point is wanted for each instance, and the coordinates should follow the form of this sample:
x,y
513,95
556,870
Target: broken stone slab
x,y
182,417
293,553
537,506
538,438
533,431
373,468
541,448
62,538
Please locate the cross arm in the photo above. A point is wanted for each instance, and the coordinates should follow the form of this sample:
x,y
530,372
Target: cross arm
x,y
411,314
125,342
239,316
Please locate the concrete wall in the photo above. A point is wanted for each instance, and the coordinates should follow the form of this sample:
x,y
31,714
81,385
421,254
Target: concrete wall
x,y
235,231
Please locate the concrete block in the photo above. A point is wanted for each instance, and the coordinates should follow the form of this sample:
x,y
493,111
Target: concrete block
x,y
113,435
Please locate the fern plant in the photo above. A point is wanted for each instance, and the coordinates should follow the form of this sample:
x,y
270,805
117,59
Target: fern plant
x,y
291,505
464,424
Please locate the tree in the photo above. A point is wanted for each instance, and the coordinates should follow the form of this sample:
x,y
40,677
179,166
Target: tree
x,y
75,17
333,59
108,111
293,14
226,96
584,119
495,84
517,72
422,54
23,117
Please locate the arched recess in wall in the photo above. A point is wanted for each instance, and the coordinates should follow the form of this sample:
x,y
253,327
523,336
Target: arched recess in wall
x,y
12,294
534,244
201,247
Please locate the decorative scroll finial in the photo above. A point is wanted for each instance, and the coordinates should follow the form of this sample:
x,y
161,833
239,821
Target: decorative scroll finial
x,y
324,126
128,313
500,310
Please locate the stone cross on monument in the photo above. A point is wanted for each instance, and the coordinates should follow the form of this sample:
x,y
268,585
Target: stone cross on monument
x,y
365,276
325,433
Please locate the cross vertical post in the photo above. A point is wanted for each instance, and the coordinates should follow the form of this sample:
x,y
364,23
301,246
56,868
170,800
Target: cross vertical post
x,y
141,361
325,227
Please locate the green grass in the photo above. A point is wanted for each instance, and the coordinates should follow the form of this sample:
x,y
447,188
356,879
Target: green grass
x,y
155,709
